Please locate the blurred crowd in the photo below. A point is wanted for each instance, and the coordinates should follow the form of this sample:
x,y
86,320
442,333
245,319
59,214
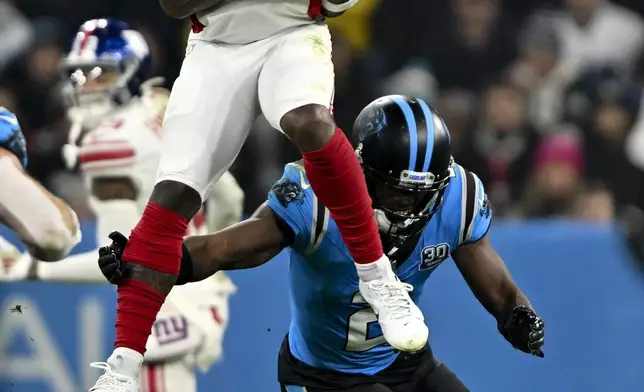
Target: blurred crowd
x,y
542,97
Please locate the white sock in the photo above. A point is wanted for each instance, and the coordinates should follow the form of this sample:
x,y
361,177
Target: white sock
x,y
379,269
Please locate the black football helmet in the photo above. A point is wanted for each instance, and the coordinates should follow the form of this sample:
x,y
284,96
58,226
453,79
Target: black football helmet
x,y
404,148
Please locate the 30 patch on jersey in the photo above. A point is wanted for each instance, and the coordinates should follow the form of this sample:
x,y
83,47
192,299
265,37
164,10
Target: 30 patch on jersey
x,y
288,191
432,256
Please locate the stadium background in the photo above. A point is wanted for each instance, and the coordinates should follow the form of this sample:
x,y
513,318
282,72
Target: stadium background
x,y
548,113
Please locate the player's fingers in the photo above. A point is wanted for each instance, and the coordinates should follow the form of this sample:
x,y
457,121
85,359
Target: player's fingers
x,y
118,238
103,251
537,324
536,335
112,271
116,277
108,268
536,344
108,260
115,235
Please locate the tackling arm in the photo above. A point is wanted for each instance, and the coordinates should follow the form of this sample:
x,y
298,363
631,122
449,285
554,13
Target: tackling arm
x,y
247,244
45,223
490,280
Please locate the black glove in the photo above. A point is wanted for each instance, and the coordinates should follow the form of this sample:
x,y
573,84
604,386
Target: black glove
x,y
115,269
524,330
109,258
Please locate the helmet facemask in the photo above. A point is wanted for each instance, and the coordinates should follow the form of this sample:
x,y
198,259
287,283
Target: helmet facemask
x,y
96,89
403,206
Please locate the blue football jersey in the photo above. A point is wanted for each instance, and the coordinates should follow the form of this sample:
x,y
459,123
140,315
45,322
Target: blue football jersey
x,y
11,136
332,327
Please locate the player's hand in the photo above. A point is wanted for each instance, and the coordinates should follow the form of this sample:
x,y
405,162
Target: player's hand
x,y
524,330
11,136
109,258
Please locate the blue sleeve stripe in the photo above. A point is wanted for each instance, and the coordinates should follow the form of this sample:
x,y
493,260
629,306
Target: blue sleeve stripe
x,y
411,127
429,121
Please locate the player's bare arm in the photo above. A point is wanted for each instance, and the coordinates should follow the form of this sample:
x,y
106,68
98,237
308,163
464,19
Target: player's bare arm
x,y
244,245
51,229
180,9
489,278
247,244
490,281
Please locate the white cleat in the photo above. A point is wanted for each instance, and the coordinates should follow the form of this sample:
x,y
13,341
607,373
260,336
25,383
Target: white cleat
x,y
402,323
120,372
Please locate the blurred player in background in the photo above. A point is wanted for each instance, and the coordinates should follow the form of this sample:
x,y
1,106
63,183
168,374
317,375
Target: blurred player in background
x,y
118,156
44,223
245,58
427,211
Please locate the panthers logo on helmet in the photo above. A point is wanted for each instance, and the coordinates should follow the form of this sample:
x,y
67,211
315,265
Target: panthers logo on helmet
x,y
369,122
288,191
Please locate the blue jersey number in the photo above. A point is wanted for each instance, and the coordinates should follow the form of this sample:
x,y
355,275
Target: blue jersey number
x,y
357,338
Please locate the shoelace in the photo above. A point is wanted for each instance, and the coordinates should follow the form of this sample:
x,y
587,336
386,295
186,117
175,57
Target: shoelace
x,y
394,297
107,379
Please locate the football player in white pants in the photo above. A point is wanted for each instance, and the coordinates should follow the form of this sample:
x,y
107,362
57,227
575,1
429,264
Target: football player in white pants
x,y
118,157
44,223
247,58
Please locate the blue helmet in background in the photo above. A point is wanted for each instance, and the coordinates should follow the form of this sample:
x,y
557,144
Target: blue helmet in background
x,y
105,67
